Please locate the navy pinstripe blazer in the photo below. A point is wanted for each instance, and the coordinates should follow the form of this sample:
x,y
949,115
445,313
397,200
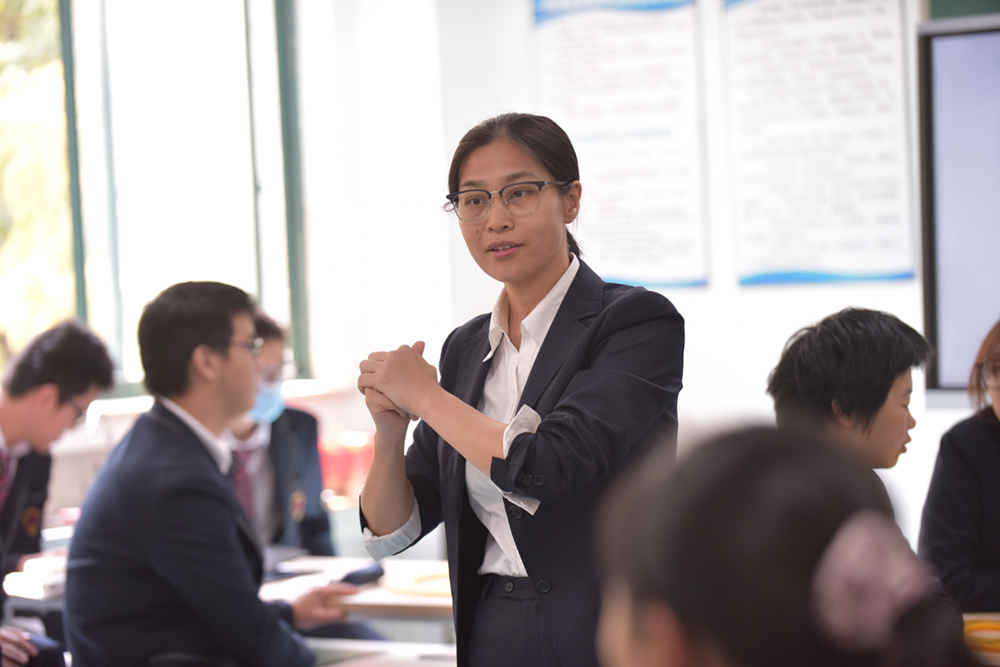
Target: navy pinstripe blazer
x,y
605,383
164,567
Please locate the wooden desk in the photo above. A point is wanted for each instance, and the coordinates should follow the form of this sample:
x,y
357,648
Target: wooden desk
x,y
410,589
383,654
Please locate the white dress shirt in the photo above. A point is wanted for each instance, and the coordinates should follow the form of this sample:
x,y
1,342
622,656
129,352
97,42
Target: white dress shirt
x,y
501,393
217,447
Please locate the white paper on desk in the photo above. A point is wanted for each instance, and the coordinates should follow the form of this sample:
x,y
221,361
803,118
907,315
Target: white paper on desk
x,y
35,586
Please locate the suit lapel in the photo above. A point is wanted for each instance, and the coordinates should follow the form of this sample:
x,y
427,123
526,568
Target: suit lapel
x,y
583,300
470,380
254,553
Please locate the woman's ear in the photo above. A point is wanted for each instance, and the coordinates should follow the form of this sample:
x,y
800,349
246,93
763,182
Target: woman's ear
x,y
572,202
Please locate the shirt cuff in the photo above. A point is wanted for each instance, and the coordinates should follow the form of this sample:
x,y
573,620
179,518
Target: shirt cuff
x,y
380,546
525,421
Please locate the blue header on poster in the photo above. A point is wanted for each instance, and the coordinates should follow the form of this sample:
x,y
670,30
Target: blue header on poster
x,y
550,9
796,277
699,282
729,4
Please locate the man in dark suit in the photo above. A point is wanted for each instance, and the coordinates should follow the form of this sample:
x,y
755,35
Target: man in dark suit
x,y
46,390
165,566
276,470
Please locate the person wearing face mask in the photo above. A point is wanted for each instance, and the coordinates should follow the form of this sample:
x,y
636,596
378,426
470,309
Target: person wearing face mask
x,y
276,471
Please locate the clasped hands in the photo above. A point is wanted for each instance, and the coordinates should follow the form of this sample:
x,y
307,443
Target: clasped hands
x,y
396,381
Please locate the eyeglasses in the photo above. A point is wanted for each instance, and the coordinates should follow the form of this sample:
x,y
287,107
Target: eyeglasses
x,y
989,371
288,370
80,412
519,198
255,346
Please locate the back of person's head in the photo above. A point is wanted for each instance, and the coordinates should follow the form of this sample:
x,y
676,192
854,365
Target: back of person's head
x,y
68,355
178,320
538,136
851,359
268,328
983,368
778,548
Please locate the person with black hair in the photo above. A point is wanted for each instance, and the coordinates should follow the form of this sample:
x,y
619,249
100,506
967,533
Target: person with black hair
x,y
850,376
276,457
960,527
540,405
164,567
46,389
764,548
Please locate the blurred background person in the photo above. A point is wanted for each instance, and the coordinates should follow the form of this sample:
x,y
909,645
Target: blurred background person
x,y
276,470
765,548
46,390
960,527
165,567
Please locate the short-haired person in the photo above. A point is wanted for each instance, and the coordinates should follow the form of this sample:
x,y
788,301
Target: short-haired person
x,y
960,530
275,449
540,404
276,471
764,548
164,567
850,375
46,389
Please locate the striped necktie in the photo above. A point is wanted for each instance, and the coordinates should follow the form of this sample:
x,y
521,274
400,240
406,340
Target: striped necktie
x,y
5,477
242,484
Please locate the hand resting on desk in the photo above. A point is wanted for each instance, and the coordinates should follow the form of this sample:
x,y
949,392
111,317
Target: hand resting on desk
x,y
319,606
16,647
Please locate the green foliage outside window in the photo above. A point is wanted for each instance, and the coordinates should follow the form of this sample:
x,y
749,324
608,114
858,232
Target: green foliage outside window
x,y
36,245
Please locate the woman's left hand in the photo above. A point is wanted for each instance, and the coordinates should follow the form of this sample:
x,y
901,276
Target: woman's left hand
x,y
402,375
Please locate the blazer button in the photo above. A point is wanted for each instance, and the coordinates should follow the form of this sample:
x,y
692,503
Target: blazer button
x,y
539,480
508,586
527,479
516,512
543,586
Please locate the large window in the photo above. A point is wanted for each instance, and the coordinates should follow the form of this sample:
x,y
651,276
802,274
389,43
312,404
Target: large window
x,y
36,231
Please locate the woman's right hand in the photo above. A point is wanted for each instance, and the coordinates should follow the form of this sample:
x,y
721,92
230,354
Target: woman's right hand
x,y
388,417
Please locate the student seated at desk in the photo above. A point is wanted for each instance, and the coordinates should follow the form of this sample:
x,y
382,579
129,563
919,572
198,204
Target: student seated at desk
x,y
849,376
276,472
46,390
165,567
764,548
960,530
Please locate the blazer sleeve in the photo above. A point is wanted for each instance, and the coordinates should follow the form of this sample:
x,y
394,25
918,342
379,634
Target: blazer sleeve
x,y
616,387
951,538
194,545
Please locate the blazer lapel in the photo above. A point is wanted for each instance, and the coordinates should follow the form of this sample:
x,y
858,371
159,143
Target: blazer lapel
x,y
469,385
583,300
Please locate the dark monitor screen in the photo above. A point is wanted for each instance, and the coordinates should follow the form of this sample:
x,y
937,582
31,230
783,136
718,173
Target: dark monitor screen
x,y
960,179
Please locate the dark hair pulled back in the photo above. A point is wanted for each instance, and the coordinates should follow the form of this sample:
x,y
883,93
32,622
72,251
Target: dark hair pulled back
x,y
538,136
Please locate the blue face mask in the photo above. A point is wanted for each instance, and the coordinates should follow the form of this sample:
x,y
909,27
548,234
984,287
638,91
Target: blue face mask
x,y
269,404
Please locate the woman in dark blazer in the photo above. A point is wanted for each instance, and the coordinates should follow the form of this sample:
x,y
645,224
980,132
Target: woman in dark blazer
x,y
539,405
960,531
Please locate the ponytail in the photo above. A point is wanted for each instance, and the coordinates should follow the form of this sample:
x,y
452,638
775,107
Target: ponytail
x,y
572,245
